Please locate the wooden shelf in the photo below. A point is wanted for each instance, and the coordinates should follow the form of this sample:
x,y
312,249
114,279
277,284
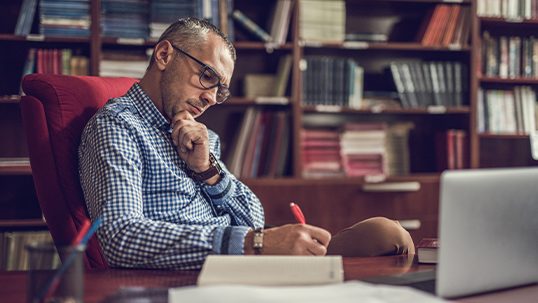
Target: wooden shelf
x,y
15,166
10,99
23,223
507,21
502,136
40,38
403,46
403,111
425,177
499,80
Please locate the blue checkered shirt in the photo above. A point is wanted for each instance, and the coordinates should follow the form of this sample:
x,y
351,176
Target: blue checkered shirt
x,y
154,215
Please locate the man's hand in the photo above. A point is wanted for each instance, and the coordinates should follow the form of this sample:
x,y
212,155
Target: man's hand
x,y
191,140
291,239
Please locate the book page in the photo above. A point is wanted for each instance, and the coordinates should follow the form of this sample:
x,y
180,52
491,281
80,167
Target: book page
x,y
271,270
348,292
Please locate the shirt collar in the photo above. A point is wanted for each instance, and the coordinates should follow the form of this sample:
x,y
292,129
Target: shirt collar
x,y
146,108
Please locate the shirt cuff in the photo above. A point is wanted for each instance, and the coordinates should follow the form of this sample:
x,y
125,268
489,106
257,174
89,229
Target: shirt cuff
x,y
230,240
221,191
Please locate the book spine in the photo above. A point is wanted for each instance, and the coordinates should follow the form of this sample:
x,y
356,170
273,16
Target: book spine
x,y
251,26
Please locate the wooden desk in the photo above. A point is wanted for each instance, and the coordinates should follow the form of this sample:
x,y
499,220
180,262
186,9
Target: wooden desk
x,y
101,283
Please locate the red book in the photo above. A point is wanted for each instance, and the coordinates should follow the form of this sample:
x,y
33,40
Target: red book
x,y
432,22
439,31
446,150
427,250
451,26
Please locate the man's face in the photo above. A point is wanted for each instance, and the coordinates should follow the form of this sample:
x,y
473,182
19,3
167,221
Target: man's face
x,y
180,85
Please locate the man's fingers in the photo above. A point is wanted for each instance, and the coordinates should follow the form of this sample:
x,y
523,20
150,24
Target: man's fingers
x,y
320,235
182,115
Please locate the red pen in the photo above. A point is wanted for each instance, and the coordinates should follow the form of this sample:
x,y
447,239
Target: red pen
x,y
297,213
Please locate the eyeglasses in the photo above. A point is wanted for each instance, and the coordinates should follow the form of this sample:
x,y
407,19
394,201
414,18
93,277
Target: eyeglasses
x,y
210,79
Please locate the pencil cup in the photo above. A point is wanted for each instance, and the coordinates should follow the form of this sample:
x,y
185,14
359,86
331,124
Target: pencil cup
x,y
50,281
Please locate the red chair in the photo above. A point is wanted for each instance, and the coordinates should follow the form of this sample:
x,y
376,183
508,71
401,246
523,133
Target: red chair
x,y
54,111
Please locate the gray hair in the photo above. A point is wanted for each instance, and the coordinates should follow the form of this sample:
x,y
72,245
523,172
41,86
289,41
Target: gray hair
x,y
192,33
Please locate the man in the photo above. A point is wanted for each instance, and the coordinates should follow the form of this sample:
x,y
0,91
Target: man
x,y
153,173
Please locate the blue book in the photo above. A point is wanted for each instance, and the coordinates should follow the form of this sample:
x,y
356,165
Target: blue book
x,y
26,18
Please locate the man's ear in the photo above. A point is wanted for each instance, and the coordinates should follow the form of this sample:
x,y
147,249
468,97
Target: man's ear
x,y
163,54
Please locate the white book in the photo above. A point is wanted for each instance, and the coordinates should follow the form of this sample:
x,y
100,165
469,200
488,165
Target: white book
x,y
271,270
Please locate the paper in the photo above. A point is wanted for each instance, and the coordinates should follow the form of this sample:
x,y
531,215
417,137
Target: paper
x,y
271,270
352,291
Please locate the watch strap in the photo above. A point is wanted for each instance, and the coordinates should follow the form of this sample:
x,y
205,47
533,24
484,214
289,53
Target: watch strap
x,y
213,170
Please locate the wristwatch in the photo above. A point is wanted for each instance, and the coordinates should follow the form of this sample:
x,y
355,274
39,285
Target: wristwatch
x,y
214,169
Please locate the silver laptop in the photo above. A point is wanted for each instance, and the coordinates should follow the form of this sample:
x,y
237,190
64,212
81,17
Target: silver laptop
x,y
488,230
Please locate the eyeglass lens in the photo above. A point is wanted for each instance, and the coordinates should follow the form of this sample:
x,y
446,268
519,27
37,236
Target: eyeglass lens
x,y
210,79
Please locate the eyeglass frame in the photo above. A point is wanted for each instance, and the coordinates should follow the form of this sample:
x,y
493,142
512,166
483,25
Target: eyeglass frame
x,y
206,67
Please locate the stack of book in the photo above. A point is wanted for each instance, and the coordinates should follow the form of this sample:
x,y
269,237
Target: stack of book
x,y
446,25
423,84
272,86
125,19
262,147
124,63
507,111
165,12
397,145
363,149
13,253
331,80
64,17
320,151
322,20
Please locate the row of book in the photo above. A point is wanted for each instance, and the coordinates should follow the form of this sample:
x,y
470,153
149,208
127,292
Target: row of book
x,y
262,147
150,18
56,61
451,149
446,25
358,149
13,252
136,19
509,9
124,19
329,80
507,111
433,83
509,56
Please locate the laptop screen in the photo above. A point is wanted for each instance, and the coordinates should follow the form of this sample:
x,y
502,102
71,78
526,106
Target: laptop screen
x,y
488,230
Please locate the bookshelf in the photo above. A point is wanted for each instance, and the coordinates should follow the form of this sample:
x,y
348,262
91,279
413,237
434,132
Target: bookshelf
x,y
502,145
399,22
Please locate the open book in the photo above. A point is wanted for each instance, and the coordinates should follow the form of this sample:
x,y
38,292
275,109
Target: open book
x,y
271,270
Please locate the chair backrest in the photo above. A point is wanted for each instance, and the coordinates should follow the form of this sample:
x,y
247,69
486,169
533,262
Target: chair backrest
x,y
55,110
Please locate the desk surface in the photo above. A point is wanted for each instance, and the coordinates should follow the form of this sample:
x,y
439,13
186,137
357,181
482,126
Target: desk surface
x,y
101,283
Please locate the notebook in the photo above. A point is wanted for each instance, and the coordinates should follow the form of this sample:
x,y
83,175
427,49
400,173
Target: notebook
x,y
488,230
271,270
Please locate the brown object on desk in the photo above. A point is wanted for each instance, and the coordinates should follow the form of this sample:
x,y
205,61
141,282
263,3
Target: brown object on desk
x,y
103,283
427,250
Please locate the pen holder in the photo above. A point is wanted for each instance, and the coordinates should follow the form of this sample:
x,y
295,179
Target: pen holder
x,y
45,283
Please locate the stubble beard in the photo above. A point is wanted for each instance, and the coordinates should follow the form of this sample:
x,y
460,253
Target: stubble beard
x,y
173,102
